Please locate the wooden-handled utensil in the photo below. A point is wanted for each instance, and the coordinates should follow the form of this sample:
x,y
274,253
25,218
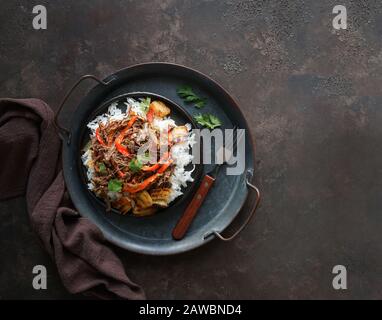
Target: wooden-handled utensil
x,y
207,182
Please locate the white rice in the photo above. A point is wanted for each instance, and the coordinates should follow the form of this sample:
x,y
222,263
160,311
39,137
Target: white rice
x,y
180,152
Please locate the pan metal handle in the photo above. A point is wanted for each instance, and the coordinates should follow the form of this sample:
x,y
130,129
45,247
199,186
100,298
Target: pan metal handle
x,y
248,219
63,132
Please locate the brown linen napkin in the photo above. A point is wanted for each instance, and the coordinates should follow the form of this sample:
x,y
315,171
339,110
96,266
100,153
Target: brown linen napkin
x,y
30,165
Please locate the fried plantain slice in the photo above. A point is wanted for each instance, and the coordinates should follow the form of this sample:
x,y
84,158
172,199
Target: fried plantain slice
x,y
143,200
123,204
160,109
179,132
144,212
161,196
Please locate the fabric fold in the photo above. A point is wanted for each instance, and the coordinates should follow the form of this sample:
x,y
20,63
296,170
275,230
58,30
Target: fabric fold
x,y
31,166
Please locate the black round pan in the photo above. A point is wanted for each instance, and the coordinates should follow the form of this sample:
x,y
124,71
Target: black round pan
x,y
152,235
178,114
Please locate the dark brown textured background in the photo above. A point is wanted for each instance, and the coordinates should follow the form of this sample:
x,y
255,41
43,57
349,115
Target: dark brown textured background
x,y
310,94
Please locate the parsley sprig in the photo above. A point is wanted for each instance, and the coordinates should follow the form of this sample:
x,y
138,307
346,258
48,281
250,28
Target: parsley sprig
x,y
189,96
208,120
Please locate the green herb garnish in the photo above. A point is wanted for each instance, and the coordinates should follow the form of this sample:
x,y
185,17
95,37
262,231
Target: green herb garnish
x,y
115,185
145,104
135,165
189,96
200,104
102,167
208,120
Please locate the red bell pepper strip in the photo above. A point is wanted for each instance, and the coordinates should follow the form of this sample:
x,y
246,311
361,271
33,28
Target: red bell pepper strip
x,y
134,188
151,168
157,165
150,115
123,150
118,142
131,122
143,185
99,138
121,174
165,166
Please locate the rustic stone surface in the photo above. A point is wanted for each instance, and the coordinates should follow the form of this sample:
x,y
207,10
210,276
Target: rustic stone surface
x,y
310,94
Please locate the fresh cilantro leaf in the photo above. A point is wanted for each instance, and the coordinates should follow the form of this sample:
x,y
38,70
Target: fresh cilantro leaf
x,y
135,165
215,121
189,96
145,104
208,120
191,99
201,119
102,167
185,91
200,104
115,185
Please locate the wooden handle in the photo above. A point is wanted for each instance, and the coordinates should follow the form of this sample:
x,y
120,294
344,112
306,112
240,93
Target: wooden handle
x,y
192,209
